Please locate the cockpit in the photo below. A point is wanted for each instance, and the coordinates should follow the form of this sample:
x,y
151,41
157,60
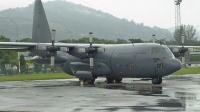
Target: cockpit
x,y
164,50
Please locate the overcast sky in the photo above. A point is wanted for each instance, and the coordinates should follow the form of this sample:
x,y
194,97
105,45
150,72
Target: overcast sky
x,y
159,13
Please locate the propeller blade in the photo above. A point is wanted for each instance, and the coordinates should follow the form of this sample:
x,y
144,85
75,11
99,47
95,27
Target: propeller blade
x,y
182,38
101,49
175,50
90,37
190,49
53,36
80,50
91,62
64,49
41,47
52,61
183,60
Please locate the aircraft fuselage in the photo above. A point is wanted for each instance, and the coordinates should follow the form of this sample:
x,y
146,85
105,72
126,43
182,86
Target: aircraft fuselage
x,y
144,60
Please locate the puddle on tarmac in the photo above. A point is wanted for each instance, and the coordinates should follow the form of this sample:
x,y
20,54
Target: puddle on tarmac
x,y
180,99
169,96
2,87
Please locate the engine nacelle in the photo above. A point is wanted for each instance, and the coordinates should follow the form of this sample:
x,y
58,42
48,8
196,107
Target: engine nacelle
x,y
84,74
179,51
83,70
183,50
40,60
79,52
176,54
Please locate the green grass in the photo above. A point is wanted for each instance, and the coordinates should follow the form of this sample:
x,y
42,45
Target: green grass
x,y
187,71
35,77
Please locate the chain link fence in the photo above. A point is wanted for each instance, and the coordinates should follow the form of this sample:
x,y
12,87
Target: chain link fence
x,y
29,70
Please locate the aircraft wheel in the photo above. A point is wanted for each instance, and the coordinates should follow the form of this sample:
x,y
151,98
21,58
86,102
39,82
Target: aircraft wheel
x,y
155,80
110,80
87,81
160,80
91,81
118,80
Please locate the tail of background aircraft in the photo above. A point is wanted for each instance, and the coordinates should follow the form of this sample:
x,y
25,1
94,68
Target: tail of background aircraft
x,y
41,32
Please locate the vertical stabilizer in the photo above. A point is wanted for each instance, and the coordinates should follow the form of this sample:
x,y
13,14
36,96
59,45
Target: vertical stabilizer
x,y
41,31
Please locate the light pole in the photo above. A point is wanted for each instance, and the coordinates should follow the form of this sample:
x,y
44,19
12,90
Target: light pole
x,y
17,41
16,28
121,36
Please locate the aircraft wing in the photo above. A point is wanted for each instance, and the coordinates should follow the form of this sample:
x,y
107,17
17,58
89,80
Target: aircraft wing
x,y
26,45
14,49
180,50
173,46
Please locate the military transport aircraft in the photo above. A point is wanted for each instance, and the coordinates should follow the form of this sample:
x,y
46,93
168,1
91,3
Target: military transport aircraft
x,y
89,61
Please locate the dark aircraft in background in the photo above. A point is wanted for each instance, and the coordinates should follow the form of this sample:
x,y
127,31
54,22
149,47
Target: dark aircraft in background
x,y
89,61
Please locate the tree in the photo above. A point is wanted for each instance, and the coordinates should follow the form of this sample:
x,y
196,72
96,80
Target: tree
x,y
189,31
26,40
136,40
4,39
120,41
11,54
22,64
5,60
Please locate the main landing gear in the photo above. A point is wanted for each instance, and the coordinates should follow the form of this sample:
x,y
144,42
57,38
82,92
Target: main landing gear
x,y
156,80
87,81
111,80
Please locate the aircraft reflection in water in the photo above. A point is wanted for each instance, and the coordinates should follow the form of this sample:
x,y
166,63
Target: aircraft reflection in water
x,y
182,99
146,90
89,61
187,99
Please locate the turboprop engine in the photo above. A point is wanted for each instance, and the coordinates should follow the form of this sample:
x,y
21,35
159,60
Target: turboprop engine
x,y
58,59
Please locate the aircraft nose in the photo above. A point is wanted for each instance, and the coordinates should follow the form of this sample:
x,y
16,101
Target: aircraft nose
x,y
172,65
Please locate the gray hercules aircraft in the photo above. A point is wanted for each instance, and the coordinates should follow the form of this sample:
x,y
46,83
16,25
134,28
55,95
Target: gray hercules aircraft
x,y
89,61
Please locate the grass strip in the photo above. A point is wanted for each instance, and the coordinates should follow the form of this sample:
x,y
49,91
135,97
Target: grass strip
x,y
187,71
24,77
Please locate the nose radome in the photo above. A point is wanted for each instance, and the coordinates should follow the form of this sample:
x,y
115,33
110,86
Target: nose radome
x,y
172,65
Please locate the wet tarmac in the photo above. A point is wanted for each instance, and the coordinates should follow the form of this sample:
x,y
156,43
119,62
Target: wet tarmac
x,y
177,93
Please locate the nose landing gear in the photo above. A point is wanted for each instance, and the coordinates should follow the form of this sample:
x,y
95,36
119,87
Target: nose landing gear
x,y
156,80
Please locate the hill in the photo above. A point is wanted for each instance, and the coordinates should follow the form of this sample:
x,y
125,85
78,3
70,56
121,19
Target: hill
x,y
73,21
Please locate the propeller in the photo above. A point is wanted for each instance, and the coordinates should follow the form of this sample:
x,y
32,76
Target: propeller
x,y
52,48
89,50
182,49
91,62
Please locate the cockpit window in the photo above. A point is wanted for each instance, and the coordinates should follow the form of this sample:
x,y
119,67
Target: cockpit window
x,y
161,50
156,50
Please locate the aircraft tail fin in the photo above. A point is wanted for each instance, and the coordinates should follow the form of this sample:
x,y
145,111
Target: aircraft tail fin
x,y
41,32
